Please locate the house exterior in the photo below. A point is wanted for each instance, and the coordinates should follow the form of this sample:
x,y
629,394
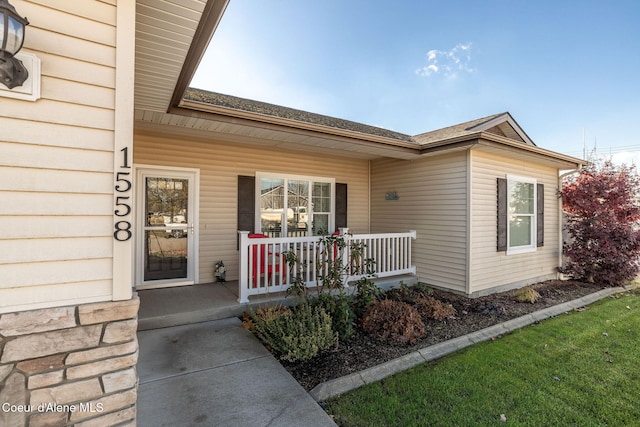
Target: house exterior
x,y
117,177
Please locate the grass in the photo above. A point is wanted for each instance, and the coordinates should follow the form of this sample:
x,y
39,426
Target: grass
x,y
579,369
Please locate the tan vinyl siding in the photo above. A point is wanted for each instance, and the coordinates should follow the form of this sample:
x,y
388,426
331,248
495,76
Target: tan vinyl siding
x,y
433,201
490,268
221,163
57,162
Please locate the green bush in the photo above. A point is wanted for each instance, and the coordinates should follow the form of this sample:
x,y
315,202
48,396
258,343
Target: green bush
x,y
339,308
367,293
299,336
394,320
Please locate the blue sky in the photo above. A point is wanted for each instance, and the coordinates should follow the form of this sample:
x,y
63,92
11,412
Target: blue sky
x,y
561,68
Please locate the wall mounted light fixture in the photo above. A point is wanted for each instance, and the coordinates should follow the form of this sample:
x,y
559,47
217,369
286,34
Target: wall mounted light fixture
x,y
12,72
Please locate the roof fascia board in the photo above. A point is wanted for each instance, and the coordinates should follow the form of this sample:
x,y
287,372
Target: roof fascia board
x,y
487,138
199,107
506,117
211,16
450,145
490,139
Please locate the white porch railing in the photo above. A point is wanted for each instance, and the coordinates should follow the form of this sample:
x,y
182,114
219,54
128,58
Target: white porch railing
x,y
263,268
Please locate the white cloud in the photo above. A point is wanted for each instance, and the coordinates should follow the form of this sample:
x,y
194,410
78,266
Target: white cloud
x,y
448,63
627,157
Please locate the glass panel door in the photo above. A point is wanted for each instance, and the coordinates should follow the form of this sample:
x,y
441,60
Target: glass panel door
x,y
166,230
272,206
297,208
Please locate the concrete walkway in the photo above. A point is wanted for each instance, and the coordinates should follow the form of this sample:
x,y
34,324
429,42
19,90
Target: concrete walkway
x,y
217,374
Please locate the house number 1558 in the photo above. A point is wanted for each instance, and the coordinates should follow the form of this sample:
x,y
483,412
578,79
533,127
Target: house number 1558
x,y
122,230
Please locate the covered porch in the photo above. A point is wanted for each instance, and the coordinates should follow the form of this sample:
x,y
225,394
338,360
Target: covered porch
x,y
274,264
267,271
165,307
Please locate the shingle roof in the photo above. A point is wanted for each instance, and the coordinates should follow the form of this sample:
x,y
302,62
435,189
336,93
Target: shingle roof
x,y
248,105
500,124
454,131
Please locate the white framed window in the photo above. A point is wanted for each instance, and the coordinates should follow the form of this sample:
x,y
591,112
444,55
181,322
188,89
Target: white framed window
x,y
294,205
522,214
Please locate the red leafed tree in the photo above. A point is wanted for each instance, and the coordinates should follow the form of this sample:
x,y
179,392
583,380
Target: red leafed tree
x,y
602,207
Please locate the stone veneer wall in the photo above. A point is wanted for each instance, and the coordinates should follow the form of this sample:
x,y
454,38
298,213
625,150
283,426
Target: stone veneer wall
x,y
72,365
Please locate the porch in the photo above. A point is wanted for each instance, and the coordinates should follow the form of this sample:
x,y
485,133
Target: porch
x,y
165,307
265,275
274,264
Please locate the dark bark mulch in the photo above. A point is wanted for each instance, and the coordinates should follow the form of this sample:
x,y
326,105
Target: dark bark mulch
x,y
363,351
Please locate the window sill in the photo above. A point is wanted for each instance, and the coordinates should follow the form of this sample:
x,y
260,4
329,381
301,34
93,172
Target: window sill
x,y
521,250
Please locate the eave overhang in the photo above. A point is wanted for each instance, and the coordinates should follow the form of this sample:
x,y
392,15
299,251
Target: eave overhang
x,y
350,140
489,140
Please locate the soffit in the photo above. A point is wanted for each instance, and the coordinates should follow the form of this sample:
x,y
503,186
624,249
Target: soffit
x,y
165,30
211,128
504,147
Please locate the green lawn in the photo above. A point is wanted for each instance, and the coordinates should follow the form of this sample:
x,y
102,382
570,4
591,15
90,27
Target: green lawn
x,y
579,369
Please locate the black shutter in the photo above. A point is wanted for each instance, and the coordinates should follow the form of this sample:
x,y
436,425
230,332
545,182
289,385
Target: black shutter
x,y
540,218
502,215
246,204
341,205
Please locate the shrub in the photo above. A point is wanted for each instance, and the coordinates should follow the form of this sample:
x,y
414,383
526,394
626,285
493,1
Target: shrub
x,y
603,210
339,309
404,293
393,320
423,288
527,294
367,293
299,336
263,315
432,308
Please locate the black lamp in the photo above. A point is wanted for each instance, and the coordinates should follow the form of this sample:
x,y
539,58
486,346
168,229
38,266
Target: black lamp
x,y
12,71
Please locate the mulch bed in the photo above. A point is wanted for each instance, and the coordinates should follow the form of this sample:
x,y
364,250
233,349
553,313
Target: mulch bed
x,y
363,350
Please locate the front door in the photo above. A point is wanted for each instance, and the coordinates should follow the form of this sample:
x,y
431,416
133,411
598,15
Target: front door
x,y
166,228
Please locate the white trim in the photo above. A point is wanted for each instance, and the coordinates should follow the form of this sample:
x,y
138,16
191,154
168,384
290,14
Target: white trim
x,y
469,222
287,177
193,174
123,251
505,118
534,217
158,284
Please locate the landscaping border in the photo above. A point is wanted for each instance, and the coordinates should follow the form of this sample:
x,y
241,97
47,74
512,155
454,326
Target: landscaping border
x,y
337,386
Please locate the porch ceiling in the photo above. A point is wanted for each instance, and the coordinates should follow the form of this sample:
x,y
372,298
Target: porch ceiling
x,y
171,37
238,131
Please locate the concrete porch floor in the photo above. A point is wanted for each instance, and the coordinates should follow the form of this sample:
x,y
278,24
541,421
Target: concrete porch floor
x,y
165,307
184,305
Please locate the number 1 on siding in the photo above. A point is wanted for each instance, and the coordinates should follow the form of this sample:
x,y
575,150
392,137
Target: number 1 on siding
x,y
125,156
